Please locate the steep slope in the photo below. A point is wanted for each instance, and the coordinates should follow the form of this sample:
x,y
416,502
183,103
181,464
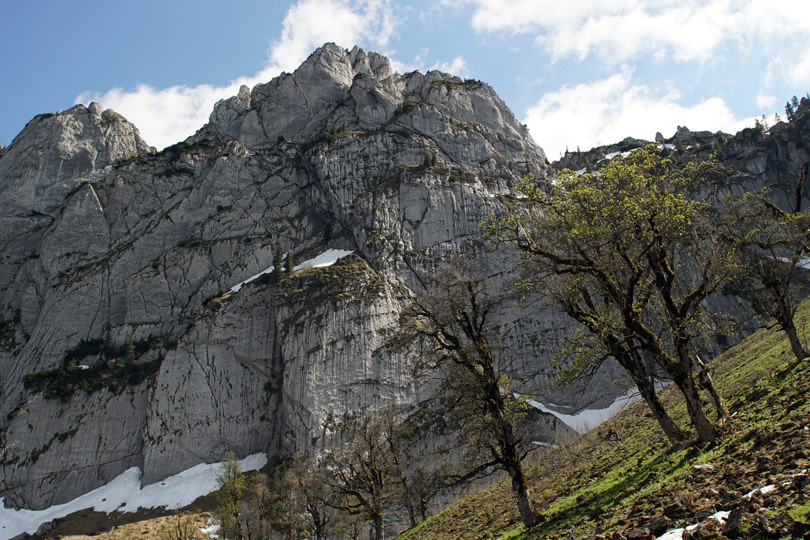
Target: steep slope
x,y
121,347
624,480
44,163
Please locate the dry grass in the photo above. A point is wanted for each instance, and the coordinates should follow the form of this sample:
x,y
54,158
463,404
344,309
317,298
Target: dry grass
x,y
147,529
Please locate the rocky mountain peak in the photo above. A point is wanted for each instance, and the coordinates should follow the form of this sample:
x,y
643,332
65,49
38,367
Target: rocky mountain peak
x,y
295,105
114,243
337,89
44,163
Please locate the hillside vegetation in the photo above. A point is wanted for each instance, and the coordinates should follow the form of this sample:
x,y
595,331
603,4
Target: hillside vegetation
x,y
625,478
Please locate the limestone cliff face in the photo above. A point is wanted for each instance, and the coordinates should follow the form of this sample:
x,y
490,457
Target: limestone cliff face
x,y
44,163
120,343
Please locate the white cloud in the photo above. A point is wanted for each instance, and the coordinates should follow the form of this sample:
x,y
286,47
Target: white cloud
x,y
608,110
766,101
458,66
797,73
686,30
310,23
165,116
418,62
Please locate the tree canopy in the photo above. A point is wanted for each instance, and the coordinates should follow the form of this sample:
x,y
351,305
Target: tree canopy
x,y
629,252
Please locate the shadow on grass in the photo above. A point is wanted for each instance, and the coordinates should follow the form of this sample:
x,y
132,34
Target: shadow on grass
x,y
597,504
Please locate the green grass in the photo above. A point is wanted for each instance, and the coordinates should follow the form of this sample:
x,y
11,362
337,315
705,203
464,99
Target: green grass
x,y
594,486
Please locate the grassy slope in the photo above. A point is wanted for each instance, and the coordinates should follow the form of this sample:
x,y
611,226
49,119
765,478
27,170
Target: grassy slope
x,y
624,474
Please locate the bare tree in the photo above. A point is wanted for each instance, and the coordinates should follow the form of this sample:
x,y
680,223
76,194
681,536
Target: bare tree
x,y
392,433
426,483
454,316
361,472
308,478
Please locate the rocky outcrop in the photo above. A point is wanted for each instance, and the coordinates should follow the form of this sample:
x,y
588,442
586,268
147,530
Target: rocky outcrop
x,y
754,158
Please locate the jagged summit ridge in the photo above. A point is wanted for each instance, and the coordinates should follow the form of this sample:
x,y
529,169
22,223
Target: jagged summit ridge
x,y
334,88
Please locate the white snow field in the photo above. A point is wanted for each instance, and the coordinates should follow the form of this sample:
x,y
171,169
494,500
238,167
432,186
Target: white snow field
x,y
327,258
587,419
125,494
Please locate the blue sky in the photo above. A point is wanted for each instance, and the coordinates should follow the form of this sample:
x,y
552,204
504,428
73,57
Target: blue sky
x,y
579,73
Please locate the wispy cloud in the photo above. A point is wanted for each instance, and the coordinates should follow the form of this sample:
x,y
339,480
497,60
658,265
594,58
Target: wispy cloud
x,y
798,71
165,116
608,110
457,66
684,30
766,101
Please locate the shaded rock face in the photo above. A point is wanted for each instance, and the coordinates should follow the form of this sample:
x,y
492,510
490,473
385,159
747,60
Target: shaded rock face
x,y
120,344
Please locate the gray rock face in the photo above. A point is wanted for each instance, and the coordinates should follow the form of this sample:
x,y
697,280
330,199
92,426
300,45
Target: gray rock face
x,y
120,344
44,163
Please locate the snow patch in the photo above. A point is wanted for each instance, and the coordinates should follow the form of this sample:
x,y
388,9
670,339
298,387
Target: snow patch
x,y
588,419
235,288
327,258
612,155
212,531
125,494
677,534
762,491
545,444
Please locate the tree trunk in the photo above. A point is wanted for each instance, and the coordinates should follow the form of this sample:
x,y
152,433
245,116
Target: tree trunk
x,y
681,372
238,522
793,338
706,430
641,373
406,492
706,383
379,526
514,468
671,429
528,515
507,442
